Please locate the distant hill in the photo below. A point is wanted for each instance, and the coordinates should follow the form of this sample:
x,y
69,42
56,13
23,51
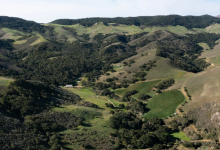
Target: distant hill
x,y
20,24
173,20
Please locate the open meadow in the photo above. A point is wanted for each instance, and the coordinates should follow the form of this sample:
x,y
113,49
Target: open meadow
x,y
164,105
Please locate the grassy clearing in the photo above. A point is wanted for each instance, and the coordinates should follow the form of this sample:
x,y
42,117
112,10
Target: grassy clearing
x,y
214,28
40,40
164,104
181,136
163,70
12,34
5,81
89,96
142,87
204,46
118,67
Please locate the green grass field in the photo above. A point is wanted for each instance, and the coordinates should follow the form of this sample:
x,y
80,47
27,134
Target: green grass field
x,y
142,87
5,81
89,96
181,136
12,34
164,104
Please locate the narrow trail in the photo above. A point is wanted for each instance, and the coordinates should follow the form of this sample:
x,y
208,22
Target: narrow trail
x,y
182,88
185,95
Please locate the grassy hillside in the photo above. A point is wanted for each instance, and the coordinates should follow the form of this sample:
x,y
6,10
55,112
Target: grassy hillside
x,y
179,30
99,28
203,87
119,29
11,33
141,87
64,34
214,28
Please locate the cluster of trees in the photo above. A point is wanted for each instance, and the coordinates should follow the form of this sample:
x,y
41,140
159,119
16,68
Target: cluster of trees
x,y
111,79
21,24
131,61
88,104
148,66
6,44
144,96
182,53
172,20
23,98
117,53
134,133
209,38
187,92
140,75
128,95
136,106
35,133
51,122
165,84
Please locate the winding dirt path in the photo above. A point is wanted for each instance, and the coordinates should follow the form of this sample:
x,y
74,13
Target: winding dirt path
x,y
185,95
182,88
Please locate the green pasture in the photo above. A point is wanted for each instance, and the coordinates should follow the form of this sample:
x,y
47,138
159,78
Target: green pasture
x,y
180,135
164,104
141,87
5,81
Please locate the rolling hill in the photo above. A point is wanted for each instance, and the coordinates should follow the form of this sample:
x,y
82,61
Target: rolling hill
x,y
121,70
